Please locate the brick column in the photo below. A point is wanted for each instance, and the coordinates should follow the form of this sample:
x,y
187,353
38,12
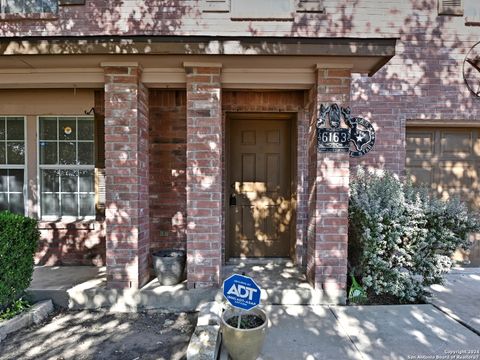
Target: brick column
x,y
328,194
204,175
126,168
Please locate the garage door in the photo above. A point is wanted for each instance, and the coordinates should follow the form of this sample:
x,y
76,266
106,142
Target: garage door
x,y
448,160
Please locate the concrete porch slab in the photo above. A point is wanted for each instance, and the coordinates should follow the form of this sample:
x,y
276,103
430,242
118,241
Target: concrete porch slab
x,y
84,287
65,277
391,332
282,282
459,296
56,282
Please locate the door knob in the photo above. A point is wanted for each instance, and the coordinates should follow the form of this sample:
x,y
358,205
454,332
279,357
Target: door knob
x,y
233,200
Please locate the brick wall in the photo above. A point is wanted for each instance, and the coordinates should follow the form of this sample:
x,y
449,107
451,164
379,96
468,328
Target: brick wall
x,y
205,223
78,243
71,244
328,193
168,152
423,81
127,180
168,158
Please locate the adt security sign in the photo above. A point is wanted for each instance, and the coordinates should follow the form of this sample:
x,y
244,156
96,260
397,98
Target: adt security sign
x,y
241,292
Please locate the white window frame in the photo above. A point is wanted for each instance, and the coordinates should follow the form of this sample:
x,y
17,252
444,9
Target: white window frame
x,y
23,167
59,167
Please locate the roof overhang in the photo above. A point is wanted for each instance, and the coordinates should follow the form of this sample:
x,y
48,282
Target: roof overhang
x,y
162,58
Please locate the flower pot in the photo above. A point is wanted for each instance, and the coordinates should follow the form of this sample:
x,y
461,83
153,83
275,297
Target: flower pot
x,y
169,266
243,344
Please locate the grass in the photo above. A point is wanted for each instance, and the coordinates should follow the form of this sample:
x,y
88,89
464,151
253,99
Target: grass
x,y
15,308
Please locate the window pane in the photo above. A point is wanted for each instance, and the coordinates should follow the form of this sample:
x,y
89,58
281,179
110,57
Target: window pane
x,y
15,129
48,128
30,6
69,180
14,6
67,129
50,6
86,181
85,153
50,204
68,153
50,181
33,6
16,180
16,204
59,144
472,8
3,201
15,153
85,129
2,128
3,157
3,180
87,205
69,204
48,152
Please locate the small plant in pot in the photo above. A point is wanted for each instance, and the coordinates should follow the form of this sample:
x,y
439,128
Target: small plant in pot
x,y
243,332
244,326
169,266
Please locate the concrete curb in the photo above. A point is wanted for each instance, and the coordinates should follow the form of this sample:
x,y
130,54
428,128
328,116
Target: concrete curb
x,y
36,314
206,339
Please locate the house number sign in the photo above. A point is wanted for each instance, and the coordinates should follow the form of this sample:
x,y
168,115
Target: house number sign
x,y
358,139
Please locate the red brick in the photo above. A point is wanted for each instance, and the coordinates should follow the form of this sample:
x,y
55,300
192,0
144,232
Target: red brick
x,y
127,194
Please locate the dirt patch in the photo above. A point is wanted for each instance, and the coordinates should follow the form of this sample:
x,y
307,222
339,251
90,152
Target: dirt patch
x,y
102,335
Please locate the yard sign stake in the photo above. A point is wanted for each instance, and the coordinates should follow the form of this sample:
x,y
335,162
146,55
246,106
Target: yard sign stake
x,y
242,293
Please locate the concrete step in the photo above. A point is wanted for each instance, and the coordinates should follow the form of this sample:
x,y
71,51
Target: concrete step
x,y
81,287
176,298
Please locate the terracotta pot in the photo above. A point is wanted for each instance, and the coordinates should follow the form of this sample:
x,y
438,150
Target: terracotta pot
x,y
243,344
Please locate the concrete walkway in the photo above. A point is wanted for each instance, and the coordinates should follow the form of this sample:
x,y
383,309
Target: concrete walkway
x,y
389,332
459,296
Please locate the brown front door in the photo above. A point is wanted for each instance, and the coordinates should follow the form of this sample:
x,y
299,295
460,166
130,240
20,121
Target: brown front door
x,y
260,206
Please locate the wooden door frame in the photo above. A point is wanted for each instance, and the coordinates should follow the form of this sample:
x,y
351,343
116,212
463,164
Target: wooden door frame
x,y
292,118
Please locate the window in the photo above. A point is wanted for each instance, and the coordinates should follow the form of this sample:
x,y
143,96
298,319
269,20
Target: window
x,y
67,167
28,6
12,164
450,7
472,12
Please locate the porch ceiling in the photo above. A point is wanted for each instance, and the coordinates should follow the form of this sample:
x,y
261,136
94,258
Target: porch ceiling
x,y
278,62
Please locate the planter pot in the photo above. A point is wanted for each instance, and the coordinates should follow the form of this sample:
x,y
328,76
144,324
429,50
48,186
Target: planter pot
x,y
243,344
169,266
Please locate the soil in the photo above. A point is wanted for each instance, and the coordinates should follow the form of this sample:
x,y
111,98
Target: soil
x,y
246,321
385,299
99,335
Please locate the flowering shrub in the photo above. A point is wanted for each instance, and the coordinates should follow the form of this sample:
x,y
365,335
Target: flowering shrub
x,y
401,237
